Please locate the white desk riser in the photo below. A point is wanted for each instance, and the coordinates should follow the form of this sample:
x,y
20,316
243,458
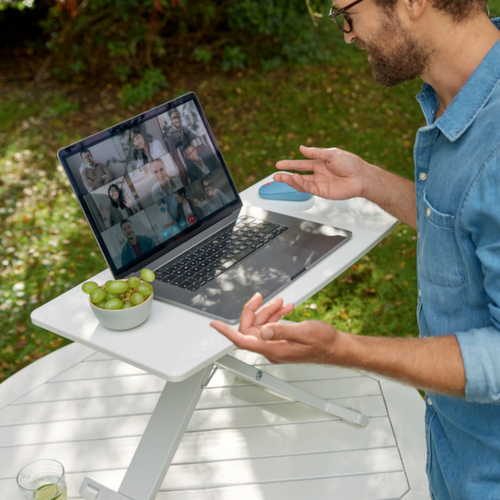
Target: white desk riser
x,y
180,346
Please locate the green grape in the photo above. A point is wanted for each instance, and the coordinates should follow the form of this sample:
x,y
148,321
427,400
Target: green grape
x,y
114,304
117,287
148,275
110,296
133,282
145,289
97,295
101,304
127,304
136,299
89,287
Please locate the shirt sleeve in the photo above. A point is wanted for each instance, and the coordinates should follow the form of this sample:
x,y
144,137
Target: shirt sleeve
x,y
481,356
480,347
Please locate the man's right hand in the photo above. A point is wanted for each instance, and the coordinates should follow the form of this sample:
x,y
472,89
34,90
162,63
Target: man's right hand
x,y
336,174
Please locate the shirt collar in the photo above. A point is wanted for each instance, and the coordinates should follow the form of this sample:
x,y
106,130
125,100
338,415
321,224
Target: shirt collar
x,y
473,96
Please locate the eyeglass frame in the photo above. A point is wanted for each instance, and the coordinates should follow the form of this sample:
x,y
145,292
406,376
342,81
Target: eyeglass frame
x,y
340,12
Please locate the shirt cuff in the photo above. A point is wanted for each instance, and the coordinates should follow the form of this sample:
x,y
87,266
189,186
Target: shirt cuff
x,y
481,356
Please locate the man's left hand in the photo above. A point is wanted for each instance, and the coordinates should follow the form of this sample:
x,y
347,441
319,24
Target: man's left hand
x,y
306,342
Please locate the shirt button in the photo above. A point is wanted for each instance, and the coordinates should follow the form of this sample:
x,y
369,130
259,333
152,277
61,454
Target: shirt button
x,y
429,401
423,176
428,212
420,293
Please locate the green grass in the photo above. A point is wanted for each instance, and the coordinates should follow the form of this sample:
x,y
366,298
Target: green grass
x,y
258,119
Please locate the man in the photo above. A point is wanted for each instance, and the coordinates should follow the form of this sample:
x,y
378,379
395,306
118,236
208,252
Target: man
x,y
136,245
199,164
94,175
455,49
177,135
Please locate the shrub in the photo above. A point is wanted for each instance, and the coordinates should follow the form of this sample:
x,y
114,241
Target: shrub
x,y
121,38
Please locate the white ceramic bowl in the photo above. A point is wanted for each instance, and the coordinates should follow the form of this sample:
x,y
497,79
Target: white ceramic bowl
x,y
123,319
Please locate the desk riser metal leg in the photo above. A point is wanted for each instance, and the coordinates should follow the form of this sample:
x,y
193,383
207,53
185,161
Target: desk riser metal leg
x,y
289,391
158,445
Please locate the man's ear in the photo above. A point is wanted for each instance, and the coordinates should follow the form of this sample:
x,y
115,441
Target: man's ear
x,y
415,8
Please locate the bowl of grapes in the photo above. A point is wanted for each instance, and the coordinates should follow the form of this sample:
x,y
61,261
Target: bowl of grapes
x,y
122,304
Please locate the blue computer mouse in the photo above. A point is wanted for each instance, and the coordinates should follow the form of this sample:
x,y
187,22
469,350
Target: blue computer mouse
x,y
281,191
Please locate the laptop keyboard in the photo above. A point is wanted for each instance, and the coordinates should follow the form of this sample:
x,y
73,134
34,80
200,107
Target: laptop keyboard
x,y
220,253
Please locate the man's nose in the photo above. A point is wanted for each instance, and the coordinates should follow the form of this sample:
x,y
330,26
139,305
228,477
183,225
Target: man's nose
x,y
350,37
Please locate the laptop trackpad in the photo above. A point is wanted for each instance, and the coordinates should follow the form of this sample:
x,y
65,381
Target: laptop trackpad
x,y
265,271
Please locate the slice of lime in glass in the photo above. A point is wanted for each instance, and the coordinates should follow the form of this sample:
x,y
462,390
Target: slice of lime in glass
x,y
47,492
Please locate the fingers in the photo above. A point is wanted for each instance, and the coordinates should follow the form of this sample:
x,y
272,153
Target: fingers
x,y
272,312
292,180
302,183
291,332
284,310
247,319
240,340
312,153
226,330
303,165
317,153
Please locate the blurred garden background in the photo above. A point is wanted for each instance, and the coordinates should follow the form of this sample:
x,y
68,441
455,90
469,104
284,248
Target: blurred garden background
x,y
271,75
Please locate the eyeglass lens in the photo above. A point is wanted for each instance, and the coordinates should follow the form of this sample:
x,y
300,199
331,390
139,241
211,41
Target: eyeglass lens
x,y
344,22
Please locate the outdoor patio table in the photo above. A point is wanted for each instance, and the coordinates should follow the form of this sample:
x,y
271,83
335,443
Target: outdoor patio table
x,y
242,441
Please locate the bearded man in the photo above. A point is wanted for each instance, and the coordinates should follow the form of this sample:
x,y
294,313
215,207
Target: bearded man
x,y
453,203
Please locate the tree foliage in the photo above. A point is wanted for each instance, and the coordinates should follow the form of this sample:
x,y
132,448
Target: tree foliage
x,y
96,38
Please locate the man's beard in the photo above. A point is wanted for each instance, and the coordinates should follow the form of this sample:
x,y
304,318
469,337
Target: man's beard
x,y
397,56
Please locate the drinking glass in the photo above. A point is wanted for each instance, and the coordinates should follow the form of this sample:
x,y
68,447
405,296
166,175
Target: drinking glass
x,y
42,480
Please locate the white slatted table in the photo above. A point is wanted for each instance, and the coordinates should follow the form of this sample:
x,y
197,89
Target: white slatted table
x,y
271,451
89,411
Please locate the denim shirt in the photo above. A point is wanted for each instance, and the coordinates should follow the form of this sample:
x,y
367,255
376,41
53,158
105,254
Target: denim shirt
x,y
457,177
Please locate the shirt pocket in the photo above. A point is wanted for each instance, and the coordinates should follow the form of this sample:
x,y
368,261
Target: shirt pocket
x,y
439,258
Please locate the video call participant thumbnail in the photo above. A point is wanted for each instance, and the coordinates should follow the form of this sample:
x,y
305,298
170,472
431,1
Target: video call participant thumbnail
x,y
121,206
136,245
165,184
214,198
177,135
185,209
144,150
94,175
199,164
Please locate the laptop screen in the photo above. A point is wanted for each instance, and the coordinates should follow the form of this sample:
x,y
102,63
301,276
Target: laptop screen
x,y
148,184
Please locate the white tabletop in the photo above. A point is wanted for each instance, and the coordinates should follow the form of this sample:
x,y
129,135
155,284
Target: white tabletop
x,y
175,343
88,411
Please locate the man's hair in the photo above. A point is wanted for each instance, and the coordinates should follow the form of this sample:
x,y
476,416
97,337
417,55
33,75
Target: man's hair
x,y
123,222
188,145
84,151
459,10
173,111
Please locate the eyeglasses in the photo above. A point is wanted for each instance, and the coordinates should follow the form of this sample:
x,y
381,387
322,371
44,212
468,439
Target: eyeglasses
x,y
341,19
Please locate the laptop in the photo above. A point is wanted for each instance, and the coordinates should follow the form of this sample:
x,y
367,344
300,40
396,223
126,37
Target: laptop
x,y
157,193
